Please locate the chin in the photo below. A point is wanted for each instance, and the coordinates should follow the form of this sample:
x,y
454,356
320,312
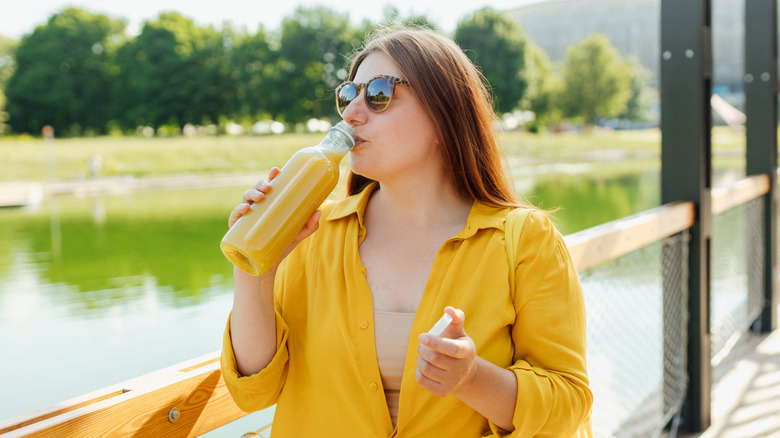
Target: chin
x,y
357,165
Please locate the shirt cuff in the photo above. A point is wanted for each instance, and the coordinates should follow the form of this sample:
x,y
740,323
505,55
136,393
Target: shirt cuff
x,y
534,407
260,390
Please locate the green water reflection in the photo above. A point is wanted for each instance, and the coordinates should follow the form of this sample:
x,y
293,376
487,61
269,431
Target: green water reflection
x,y
110,245
586,201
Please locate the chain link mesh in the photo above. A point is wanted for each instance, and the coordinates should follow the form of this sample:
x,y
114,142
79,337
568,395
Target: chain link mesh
x,y
737,263
637,305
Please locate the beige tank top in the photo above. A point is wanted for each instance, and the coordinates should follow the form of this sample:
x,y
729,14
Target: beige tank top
x,y
391,333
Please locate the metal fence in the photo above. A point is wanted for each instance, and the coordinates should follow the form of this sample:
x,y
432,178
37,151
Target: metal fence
x,y
737,292
636,278
636,338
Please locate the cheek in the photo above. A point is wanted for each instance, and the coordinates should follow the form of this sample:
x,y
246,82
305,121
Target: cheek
x,y
418,136
416,125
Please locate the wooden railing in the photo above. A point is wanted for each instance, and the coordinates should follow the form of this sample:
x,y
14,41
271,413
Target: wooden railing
x,y
185,400
613,239
739,193
190,399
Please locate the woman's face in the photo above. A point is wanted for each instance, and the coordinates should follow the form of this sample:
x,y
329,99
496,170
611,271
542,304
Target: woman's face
x,y
397,142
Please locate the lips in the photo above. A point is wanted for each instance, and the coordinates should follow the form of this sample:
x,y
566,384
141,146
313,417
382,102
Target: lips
x,y
359,141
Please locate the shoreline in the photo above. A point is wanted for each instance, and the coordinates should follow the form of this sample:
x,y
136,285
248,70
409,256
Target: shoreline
x,y
23,193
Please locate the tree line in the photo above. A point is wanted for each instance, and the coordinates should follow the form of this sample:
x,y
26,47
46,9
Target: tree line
x,y
83,75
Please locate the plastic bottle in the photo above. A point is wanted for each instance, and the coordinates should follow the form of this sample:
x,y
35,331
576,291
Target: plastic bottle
x,y
259,237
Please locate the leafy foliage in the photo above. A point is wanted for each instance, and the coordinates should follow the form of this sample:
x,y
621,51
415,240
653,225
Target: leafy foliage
x,y
7,65
61,74
597,80
83,75
173,73
545,89
497,45
313,45
642,95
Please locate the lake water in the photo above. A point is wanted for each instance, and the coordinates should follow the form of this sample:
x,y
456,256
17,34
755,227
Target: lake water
x,y
100,289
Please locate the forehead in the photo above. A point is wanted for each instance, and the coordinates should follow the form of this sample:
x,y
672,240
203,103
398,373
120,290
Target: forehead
x,y
376,64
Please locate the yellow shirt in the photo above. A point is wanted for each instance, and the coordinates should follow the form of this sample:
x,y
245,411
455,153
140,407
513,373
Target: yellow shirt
x,y
325,379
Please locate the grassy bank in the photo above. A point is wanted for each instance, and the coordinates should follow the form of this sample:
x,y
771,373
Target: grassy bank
x,y
28,159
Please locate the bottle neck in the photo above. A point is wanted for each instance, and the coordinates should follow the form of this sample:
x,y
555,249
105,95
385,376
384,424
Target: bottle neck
x,y
340,139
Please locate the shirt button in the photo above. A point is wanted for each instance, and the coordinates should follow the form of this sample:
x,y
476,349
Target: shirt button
x,y
373,386
363,270
363,324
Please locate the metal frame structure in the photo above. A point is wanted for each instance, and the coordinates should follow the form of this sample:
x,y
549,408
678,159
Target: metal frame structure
x,y
686,175
761,135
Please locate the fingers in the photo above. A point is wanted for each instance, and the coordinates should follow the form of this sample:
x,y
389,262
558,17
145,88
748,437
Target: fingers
x,y
455,329
458,317
237,212
454,348
252,195
442,374
314,221
312,225
431,385
446,363
256,193
441,368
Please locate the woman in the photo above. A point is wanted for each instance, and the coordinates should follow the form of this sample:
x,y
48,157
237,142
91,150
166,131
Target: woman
x,y
336,334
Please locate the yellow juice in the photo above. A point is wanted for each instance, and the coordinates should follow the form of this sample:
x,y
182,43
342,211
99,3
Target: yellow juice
x,y
259,237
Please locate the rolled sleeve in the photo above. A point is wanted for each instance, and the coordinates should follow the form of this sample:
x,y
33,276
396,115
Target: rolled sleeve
x,y
260,390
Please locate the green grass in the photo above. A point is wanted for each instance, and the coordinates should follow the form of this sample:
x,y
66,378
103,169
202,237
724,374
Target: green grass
x,y
28,159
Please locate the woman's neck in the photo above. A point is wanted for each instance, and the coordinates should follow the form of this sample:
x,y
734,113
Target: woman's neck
x,y
424,201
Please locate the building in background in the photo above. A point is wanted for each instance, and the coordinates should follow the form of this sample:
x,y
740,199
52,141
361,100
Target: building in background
x,y
633,26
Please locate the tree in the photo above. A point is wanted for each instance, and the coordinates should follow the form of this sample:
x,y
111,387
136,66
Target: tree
x,y
597,80
61,74
7,65
173,73
497,45
545,87
251,62
393,15
314,42
641,94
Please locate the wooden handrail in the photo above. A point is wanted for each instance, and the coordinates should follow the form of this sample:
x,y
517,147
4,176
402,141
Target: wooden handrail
x,y
613,239
619,237
739,192
186,400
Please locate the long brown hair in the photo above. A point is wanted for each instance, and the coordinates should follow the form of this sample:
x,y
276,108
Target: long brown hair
x,y
453,93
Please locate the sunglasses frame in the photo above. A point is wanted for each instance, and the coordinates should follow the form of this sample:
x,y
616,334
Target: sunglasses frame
x,y
392,80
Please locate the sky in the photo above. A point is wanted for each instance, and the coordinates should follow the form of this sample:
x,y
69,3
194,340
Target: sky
x,y
25,15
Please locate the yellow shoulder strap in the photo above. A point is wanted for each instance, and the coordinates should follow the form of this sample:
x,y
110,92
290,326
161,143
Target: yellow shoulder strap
x,y
512,229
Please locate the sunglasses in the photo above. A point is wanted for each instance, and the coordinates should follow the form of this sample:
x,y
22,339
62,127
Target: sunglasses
x,y
379,93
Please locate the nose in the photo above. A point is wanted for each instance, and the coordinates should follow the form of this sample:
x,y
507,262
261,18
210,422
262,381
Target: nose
x,y
356,112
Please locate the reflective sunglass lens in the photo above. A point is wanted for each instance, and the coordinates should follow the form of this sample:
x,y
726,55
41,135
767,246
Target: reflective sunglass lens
x,y
346,94
379,91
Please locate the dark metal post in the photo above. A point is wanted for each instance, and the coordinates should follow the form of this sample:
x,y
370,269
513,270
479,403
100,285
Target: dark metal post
x,y
686,66
761,110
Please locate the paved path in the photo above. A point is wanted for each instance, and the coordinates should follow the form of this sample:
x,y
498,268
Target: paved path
x,y
18,193
746,395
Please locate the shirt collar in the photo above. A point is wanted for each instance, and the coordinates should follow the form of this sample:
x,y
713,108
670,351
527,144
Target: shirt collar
x,y
355,204
481,216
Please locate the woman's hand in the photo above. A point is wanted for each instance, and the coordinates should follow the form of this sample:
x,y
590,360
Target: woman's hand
x,y
447,363
256,194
